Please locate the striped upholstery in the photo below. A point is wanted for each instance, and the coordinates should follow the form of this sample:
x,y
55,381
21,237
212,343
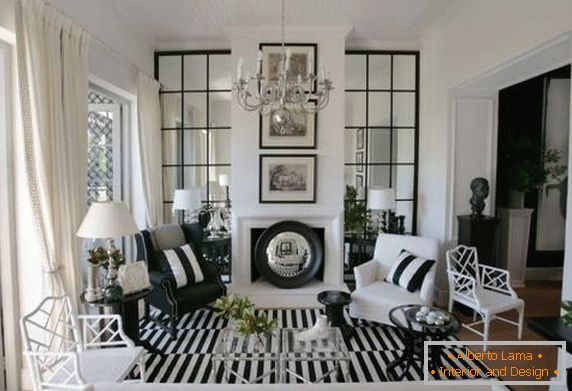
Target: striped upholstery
x,y
408,271
182,263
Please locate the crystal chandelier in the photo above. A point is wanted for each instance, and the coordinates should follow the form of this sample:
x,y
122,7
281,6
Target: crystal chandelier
x,y
281,99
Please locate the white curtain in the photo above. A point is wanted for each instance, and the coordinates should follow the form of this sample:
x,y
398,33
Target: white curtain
x,y
53,80
149,125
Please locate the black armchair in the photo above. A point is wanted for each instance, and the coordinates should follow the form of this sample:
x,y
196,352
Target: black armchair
x,y
165,295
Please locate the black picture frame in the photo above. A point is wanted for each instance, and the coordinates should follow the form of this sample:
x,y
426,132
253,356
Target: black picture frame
x,y
360,138
309,141
359,181
266,195
277,45
359,161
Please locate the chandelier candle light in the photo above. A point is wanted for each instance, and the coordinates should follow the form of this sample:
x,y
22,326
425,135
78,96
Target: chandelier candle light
x,y
283,98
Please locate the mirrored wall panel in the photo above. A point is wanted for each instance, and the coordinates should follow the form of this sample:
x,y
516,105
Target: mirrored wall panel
x,y
382,132
195,99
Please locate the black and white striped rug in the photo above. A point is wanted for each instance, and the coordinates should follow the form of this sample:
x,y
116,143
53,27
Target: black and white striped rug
x,y
188,359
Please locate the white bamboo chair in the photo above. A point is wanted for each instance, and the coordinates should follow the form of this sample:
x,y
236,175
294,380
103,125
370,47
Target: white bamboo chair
x,y
69,352
484,289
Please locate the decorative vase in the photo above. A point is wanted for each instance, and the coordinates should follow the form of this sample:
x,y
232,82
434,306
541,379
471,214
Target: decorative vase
x,y
318,331
93,291
215,224
516,199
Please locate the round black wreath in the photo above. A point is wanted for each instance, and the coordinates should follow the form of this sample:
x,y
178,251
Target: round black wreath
x,y
261,259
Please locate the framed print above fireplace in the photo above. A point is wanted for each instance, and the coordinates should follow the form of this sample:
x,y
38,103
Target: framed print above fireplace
x,y
303,60
287,179
301,134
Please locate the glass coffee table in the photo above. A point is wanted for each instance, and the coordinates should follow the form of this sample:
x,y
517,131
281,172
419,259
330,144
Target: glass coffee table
x,y
233,351
279,356
330,350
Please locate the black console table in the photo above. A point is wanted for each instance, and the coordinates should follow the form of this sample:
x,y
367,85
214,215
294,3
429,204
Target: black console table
x,y
480,232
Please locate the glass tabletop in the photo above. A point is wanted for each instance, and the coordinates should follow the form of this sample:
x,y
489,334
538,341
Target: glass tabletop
x,y
231,345
330,346
404,318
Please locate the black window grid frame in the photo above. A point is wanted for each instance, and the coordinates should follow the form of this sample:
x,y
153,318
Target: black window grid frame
x,y
180,130
391,127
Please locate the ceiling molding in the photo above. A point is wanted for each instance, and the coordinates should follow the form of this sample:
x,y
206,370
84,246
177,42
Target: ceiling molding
x,y
292,30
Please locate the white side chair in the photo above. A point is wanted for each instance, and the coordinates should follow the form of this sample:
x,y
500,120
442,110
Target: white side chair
x,y
69,352
484,289
374,297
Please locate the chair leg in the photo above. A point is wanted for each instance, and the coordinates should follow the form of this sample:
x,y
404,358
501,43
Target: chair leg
x,y
487,323
147,309
520,320
450,304
474,315
173,326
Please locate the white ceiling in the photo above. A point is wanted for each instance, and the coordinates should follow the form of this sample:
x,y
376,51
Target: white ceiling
x,y
161,21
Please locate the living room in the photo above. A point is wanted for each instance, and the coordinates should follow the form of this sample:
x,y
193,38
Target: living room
x,y
285,193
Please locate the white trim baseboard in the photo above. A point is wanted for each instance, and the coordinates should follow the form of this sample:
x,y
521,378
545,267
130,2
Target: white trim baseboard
x,y
544,273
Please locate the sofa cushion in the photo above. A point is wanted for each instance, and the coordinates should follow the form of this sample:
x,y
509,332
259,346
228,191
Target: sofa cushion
x,y
182,264
167,237
408,271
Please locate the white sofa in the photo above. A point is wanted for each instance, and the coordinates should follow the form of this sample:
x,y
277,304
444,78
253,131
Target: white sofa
x,y
373,297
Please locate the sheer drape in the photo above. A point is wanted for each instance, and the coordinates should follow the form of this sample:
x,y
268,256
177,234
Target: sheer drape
x,y
149,125
53,80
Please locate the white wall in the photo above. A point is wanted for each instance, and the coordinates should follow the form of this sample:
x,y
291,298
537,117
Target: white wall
x,y
476,38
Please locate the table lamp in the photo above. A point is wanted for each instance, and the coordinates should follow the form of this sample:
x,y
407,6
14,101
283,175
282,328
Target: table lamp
x,y
382,202
187,200
108,220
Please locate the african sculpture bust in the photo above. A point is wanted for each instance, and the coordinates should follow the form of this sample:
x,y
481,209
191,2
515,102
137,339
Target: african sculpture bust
x,y
480,188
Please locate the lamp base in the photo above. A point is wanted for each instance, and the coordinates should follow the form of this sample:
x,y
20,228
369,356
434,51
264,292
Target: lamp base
x,y
113,293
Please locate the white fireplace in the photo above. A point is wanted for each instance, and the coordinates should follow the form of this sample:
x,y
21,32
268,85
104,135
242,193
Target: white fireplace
x,y
266,295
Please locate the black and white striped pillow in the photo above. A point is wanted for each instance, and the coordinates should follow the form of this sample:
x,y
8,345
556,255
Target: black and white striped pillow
x,y
182,263
408,271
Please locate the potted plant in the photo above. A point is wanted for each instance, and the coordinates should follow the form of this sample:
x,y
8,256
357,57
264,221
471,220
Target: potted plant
x,y
245,319
528,167
97,257
355,211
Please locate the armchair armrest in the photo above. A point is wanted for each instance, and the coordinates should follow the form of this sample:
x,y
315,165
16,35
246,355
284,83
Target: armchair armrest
x,y
463,286
496,279
366,273
103,331
161,280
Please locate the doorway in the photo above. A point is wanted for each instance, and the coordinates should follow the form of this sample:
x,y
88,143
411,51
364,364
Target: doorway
x,y
533,134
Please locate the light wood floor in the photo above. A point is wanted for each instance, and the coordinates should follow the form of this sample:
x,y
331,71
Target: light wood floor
x,y
542,298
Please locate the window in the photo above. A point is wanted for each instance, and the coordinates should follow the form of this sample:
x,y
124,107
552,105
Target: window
x,y
382,129
104,146
196,94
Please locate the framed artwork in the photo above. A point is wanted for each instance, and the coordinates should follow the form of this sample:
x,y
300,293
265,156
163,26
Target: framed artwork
x,y
359,182
301,134
359,161
287,179
303,60
360,139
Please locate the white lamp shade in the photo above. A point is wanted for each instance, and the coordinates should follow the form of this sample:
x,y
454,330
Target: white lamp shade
x,y
187,199
106,220
224,180
380,199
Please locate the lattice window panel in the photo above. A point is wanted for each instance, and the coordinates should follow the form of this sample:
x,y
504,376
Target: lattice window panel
x,y
94,97
100,152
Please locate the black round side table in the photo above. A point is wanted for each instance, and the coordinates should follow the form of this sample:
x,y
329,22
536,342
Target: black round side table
x,y
335,301
414,334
